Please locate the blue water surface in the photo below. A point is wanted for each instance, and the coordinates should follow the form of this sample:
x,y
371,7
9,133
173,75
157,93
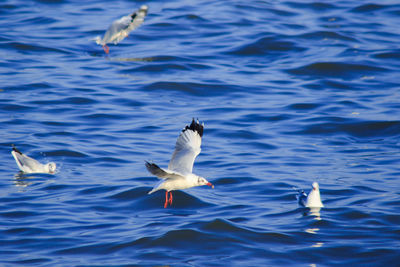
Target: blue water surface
x,y
290,92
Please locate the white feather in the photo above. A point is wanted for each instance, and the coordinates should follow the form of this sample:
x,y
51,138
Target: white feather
x,y
120,28
187,148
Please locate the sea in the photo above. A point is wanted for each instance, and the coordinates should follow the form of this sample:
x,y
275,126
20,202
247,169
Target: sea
x,y
290,93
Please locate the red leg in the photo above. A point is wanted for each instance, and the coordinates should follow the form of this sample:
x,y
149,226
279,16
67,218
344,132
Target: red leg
x,y
106,48
166,199
170,198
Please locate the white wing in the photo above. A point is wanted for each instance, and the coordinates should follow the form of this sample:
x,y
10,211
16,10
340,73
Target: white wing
x,y
120,28
25,163
187,148
117,31
137,18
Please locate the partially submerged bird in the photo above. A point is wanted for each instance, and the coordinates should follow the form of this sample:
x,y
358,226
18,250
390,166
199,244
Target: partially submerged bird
x,y
179,173
120,28
313,200
29,165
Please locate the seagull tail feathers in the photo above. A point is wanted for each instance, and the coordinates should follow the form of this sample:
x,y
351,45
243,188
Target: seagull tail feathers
x,y
155,188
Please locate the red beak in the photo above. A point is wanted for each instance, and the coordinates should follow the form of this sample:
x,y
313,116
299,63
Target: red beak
x,y
210,184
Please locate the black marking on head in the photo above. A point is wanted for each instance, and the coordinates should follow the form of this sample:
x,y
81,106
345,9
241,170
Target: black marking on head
x,y
133,16
15,149
195,126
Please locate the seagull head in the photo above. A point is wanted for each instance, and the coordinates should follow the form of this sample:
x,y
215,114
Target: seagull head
x,y
203,181
315,186
51,167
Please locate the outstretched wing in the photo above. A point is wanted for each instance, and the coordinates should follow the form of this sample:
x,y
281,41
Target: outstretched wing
x,y
137,18
25,163
120,28
117,31
302,198
187,148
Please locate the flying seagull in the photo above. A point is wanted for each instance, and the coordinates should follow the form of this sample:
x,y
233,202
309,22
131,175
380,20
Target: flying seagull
x,y
179,173
29,165
313,200
120,28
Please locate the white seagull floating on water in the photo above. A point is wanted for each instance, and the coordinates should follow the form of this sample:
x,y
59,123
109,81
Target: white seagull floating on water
x,y
120,28
179,173
313,200
29,165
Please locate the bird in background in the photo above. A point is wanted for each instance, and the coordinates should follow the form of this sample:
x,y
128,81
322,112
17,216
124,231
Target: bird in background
x,y
312,200
121,28
29,165
179,174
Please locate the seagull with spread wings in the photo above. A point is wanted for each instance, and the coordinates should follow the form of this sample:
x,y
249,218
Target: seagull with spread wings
x,y
179,173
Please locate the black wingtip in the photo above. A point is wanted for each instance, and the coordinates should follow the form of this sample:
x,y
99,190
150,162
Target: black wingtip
x,y
143,9
302,198
150,165
195,126
15,149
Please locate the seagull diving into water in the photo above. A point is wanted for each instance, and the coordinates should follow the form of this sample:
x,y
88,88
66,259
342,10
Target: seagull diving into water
x,y
313,200
120,28
29,165
179,173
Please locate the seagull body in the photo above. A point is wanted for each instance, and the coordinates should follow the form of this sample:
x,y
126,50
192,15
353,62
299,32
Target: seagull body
x,y
313,200
29,165
179,173
120,28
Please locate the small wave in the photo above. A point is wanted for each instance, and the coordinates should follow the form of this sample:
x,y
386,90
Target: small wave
x,y
31,47
368,8
131,194
39,20
66,153
368,129
303,106
327,35
392,55
316,6
97,190
266,46
200,89
96,117
336,69
18,214
188,17
161,67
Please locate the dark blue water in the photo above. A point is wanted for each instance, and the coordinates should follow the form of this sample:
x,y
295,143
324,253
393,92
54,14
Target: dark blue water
x,y
291,92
